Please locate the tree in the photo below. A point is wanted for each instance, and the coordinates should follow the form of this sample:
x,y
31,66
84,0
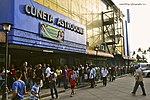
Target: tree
x,y
144,59
149,52
139,50
138,58
144,52
141,55
133,53
148,49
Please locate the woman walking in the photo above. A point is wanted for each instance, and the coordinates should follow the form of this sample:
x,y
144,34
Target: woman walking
x,y
72,80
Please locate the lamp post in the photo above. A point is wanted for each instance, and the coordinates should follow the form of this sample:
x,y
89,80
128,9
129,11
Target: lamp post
x,y
128,61
96,49
6,28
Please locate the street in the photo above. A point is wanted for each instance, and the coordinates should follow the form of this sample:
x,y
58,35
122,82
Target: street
x,y
118,90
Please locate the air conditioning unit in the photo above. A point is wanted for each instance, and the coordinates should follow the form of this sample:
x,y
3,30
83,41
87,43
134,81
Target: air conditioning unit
x,y
87,44
102,47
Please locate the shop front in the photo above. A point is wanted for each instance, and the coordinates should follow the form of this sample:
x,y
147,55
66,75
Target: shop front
x,y
99,58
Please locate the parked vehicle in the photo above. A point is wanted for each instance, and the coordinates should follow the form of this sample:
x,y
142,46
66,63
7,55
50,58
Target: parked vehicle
x,y
145,67
146,73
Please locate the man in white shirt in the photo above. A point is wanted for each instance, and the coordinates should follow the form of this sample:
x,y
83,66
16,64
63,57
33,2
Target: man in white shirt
x,y
48,73
104,72
92,76
139,81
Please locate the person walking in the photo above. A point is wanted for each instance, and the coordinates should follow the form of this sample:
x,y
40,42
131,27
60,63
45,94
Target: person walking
x,y
59,74
65,73
18,88
72,80
39,73
81,74
35,90
104,72
47,75
31,76
139,81
92,76
11,74
52,81
23,70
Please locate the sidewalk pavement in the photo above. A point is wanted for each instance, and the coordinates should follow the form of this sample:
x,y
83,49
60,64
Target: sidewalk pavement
x,y
46,92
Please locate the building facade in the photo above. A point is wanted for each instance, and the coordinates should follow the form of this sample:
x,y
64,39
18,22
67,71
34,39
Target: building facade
x,y
71,32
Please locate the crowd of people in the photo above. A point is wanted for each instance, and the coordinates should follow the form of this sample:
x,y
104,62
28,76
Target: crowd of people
x,y
46,76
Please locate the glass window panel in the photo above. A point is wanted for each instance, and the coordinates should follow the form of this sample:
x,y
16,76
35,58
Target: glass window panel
x,y
85,12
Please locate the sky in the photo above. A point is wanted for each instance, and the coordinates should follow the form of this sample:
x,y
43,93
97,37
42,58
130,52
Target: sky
x,y
138,28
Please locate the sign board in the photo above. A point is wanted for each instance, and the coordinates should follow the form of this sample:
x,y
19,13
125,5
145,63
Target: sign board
x,y
51,32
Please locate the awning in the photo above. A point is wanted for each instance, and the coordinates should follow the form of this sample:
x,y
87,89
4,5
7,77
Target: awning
x,y
103,54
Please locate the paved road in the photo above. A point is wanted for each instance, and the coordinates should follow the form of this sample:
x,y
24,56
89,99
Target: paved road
x,y
118,90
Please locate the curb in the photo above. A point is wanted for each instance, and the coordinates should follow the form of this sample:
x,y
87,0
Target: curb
x,y
44,95
27,97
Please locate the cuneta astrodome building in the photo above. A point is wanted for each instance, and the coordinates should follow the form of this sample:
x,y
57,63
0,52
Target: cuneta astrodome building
x,y
60,32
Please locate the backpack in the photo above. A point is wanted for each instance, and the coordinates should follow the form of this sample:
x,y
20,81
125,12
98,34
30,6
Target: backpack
x,y
73,76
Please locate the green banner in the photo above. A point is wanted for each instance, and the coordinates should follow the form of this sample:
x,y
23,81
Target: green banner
x,y
51,32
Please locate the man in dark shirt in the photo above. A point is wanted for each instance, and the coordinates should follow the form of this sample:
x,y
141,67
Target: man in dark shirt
x,y
24,72
39,73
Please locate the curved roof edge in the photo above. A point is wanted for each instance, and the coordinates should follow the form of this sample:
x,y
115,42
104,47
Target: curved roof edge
x,y
103,54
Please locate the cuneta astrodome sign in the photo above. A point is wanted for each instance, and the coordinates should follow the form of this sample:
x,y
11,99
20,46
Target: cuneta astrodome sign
x,y
32,11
